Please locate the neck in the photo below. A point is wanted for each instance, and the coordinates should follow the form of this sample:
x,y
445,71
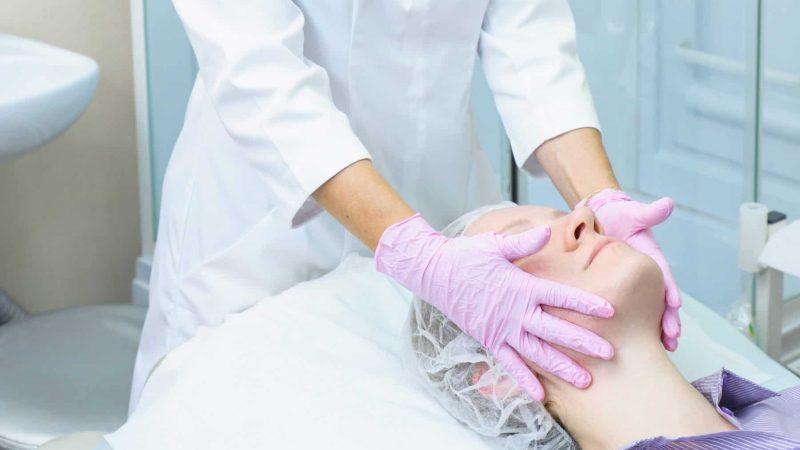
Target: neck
x,y
638,395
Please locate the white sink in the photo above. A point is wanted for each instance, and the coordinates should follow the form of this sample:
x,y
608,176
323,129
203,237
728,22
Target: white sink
x,y
43,90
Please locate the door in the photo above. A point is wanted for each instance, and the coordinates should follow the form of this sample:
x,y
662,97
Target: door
x,y
677,102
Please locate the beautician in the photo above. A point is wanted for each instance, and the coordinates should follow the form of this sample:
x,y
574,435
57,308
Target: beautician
x,y
361,108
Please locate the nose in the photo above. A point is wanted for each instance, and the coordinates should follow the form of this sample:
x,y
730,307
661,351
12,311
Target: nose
x,y
582,224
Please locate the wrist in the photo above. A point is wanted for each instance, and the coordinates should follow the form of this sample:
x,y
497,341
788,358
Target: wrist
x,y
409,239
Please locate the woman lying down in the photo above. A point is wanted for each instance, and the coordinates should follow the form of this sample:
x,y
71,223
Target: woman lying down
x,y
267,378
637,400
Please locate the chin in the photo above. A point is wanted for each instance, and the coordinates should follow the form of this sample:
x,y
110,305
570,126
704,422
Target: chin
x,y
635,275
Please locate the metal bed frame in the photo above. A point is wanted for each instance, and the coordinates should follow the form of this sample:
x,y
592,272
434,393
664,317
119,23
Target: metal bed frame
x,y
769,256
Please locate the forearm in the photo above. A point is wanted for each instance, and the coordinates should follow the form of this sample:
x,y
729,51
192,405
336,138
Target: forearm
x,y
361,200
577,164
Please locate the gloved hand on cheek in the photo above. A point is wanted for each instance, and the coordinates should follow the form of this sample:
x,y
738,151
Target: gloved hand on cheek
x,y
473,282
629,220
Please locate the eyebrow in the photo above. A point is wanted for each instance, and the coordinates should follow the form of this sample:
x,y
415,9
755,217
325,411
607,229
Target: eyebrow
x,y
514,223
525,220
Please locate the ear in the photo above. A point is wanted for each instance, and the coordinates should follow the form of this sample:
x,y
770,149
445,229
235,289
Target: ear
x,y
490,387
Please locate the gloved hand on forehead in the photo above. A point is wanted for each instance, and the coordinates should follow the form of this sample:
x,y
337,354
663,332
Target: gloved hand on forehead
x,y
629,220
473,282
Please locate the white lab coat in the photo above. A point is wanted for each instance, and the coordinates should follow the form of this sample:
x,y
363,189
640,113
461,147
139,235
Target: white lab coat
x,y
290,93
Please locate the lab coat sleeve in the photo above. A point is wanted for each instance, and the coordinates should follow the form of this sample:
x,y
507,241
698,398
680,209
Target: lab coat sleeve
x,y
528,53
274,103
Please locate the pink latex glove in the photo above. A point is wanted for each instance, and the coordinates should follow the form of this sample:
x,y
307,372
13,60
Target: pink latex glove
x,y
629,220
472,281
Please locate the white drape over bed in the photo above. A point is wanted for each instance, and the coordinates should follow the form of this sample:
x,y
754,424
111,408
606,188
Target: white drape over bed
x,y
319,366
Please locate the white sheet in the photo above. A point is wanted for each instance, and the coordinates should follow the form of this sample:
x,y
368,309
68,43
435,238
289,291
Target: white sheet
x,y
319,367
709,342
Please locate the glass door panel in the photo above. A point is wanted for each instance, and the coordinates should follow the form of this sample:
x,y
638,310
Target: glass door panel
x,y
670,85
779,147
171,70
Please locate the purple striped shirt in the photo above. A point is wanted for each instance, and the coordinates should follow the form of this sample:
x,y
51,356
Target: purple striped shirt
x,y
765,419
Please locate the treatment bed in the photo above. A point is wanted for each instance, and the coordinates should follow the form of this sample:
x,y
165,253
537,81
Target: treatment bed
x,y
321,365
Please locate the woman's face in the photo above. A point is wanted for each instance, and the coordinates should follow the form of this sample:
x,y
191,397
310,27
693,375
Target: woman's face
x,y
580,255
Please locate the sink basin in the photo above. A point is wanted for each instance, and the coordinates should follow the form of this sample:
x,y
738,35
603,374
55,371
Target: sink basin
x,y
43,90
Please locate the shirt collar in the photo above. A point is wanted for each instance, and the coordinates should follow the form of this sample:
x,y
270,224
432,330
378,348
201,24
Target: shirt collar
x,y
729,393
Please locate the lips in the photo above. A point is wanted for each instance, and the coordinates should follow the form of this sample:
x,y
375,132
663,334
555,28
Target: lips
x,y
603,243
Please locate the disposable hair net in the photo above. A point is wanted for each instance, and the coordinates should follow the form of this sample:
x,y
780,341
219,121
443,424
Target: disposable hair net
x,y
465,379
